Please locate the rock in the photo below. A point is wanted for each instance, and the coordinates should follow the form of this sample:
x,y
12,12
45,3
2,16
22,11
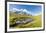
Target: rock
x,y
23,21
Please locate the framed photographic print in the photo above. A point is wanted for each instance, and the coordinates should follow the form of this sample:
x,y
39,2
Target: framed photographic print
x,y
24,16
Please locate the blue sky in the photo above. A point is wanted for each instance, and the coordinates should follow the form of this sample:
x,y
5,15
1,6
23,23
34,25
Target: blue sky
x,y
31,9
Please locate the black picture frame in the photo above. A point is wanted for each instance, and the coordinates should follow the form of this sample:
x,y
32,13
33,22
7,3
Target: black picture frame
x,y
24,2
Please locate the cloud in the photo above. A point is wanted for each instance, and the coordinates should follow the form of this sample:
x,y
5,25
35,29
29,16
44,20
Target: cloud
x,y
27,11
15,9
23,10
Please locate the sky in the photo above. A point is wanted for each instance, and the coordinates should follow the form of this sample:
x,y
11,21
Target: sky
x,y
30,9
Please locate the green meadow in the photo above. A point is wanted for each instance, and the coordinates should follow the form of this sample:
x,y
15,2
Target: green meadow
x,y
36,21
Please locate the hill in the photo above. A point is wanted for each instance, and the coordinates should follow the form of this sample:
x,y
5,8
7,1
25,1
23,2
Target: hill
x,y
35,20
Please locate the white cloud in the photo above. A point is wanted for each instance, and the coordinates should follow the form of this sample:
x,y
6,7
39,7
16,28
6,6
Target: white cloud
x,y
23,10
15,9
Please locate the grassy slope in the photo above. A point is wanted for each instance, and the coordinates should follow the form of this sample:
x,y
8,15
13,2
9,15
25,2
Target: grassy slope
x,y
35,23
